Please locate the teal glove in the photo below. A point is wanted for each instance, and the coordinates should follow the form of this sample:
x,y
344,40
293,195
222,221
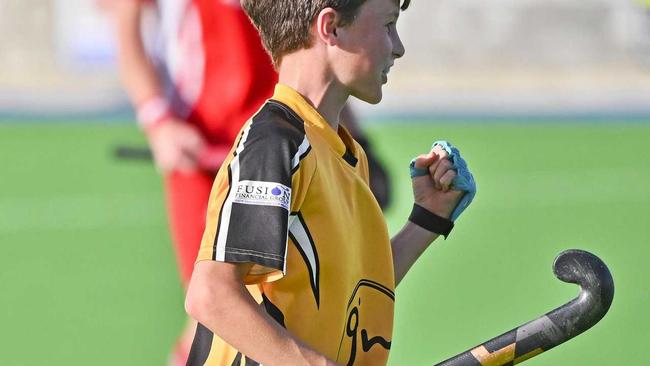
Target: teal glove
x,y
464,180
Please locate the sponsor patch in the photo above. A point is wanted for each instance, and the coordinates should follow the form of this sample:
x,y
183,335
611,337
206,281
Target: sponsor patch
x,y
250,192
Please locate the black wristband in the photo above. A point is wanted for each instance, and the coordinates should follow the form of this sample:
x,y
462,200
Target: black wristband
x,y
427,220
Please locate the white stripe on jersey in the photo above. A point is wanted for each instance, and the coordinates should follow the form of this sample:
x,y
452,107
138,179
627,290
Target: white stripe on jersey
x,y
227,206
292,219
304,146
302,240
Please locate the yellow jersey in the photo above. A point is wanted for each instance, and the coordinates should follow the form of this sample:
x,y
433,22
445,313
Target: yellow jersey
x,y
293,199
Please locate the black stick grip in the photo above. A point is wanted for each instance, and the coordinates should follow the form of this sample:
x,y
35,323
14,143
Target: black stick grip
x,y
556,327
209,159
133,153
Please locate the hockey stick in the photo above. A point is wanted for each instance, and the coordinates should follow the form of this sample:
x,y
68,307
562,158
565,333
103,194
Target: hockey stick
x,y
210,159
556,327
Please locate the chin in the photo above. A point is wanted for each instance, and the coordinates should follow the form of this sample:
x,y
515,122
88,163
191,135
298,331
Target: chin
x,y
370,98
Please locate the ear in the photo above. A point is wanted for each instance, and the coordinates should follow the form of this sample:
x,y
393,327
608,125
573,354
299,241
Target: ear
x,y
326,26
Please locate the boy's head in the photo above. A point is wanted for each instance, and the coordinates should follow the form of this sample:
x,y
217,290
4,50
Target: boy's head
x,y
351,28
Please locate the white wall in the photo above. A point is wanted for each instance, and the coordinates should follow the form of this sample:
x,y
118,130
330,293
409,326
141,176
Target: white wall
x,y
56,56
521,56
460,54
501,33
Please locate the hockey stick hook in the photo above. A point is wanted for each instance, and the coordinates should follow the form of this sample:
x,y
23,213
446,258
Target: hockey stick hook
x,y
556,327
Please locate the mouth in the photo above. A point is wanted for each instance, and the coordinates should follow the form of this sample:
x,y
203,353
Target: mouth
x,y
384,74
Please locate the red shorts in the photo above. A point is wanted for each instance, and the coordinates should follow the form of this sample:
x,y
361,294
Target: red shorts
x,y
187,198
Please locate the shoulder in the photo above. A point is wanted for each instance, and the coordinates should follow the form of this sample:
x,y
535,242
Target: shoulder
x,y
276,120
276,127
274,139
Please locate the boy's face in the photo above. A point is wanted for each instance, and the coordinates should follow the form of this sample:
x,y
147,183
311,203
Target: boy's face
x,y
368,48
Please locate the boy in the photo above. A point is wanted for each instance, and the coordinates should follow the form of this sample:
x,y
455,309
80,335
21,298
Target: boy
x,y
291,214
192,97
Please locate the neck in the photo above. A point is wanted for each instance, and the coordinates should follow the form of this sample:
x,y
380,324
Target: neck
x,y
315,83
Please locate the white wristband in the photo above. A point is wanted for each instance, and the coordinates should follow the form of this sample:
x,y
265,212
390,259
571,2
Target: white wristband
x,y
152,112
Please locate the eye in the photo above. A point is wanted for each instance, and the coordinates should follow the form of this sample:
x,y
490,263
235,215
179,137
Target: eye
x,y
389,27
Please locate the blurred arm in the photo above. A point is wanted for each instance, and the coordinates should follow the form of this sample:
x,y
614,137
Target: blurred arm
x,y
176,145
379,179
137,73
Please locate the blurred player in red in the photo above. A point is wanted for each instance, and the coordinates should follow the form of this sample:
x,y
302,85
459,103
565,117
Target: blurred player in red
x,y
195,71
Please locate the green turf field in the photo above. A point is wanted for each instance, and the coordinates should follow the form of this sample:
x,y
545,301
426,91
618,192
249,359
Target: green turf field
x,y
87,275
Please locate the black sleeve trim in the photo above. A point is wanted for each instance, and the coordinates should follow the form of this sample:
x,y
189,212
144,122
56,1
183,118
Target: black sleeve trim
x,y
237,255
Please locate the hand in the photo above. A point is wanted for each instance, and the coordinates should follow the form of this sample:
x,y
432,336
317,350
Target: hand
x,y
433,191
175,145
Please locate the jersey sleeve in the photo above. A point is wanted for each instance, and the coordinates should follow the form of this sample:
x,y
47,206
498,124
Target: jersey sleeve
x,y
253,196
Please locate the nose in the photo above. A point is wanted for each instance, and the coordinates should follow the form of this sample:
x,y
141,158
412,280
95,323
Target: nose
x,y
398,46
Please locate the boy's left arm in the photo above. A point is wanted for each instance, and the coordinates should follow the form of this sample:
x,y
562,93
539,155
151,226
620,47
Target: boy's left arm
x,y
437,197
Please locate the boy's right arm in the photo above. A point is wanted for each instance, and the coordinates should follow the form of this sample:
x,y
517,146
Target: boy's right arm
x,y
218,299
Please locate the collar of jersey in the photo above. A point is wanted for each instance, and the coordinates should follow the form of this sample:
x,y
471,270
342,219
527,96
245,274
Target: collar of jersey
x,y
294,100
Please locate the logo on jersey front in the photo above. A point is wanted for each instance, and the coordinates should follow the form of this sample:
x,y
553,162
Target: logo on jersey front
x,y
367,336
250,192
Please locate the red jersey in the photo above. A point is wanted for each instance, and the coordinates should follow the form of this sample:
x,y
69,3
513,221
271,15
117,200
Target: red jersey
x,y
216,70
